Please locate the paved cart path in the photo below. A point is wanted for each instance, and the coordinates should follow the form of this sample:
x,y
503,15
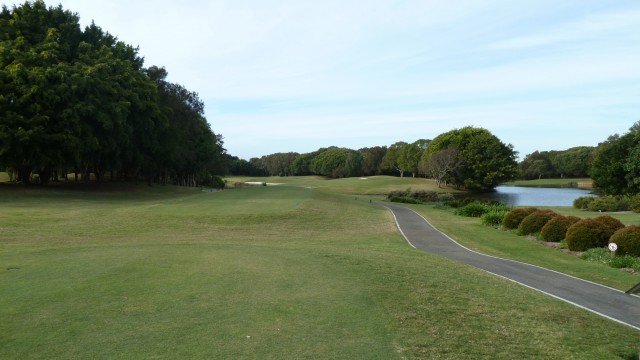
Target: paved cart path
x,y
608,302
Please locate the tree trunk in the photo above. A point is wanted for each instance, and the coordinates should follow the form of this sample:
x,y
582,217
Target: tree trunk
x,y
24,175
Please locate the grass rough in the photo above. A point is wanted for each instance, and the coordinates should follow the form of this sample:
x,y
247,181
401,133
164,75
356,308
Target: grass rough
x,y
275,272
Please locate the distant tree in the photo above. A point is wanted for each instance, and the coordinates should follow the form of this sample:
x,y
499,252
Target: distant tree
x,y
372,159
574,162
410,155
302,164
608,168
536,165
337,163
441,164
409,158
257,164
616,165
486,162
241,167
391,160
279,164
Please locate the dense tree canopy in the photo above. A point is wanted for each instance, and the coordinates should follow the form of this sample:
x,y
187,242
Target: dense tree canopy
x,y
485,162
616,166
81,101
472,158
573,162
391,160
536,166
372,160
409,156
337,163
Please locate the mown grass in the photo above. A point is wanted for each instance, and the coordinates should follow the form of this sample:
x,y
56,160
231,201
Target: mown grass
x,y
280,272
371,185
4,177
550,183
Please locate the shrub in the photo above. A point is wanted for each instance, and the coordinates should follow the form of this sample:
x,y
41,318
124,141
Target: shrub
x,y
603,256
556,228
587,234
534,222
404,199
494,217
479,208
458,203
608,203
610,225
445,197
634,203
213,181
582,202
628,240
396,194
474,209
514,217
426,196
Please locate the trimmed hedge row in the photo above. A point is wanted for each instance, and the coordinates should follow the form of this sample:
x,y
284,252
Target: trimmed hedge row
x,y
579,234
535,221
628,240
514,217
555,230
591,233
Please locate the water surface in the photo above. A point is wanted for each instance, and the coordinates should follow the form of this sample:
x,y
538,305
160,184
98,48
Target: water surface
x,y
530,196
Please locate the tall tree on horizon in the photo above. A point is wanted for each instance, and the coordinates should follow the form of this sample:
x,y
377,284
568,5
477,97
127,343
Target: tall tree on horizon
x,y
486,162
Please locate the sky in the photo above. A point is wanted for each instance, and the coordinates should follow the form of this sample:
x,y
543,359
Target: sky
x,y
298,75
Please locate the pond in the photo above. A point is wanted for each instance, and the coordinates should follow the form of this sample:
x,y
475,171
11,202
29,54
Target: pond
x,y
530,196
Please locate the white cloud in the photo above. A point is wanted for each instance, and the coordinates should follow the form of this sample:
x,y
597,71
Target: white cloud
x,y
382,71
599,27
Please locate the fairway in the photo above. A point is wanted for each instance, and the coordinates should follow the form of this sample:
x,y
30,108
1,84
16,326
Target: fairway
x,y
293,271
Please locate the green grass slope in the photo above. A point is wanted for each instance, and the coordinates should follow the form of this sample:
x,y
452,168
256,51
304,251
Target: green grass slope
x,y
371,185
282,272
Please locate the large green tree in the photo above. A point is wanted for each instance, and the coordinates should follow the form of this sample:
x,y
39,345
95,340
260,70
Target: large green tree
x,y
486,162
410,155
536,165
372,159
391,160
573,162
38,128
616,165
279,164
82,100
337,163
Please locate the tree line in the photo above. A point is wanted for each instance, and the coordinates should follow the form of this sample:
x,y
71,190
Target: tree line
x,y
613,165
571,163
615,168
470,158
80,101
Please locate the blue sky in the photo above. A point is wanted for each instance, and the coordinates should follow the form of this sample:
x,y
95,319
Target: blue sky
x,y
295,75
